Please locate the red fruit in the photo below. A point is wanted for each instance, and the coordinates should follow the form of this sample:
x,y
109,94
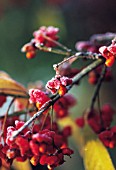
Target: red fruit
x,y
60,157
58,140
109,53
0,162
106,137
34,160
107,115
53,85
62,90
112,47
34,148
50,149
58,84
103,50
67,131
113,129
92,77
80,122
52,133
10,153
70,100
108,75
2,100
4,149
19,124
2,155
42,138
61,112
21,159
112,144
83,45
109,62
1,146
36,128
39,97
28,47
95,123
67,151
45,35
51,160
42,148
30,54
92,80
43,160
65,81
23,145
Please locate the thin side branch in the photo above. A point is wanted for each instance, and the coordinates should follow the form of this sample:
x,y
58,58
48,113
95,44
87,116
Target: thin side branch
x,y
51,50
58,44
96,93
6,115
78,77
78,55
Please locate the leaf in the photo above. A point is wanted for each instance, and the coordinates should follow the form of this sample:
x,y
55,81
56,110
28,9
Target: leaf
x,y
10,87
76,132
21,165
94,153
4,74
96,156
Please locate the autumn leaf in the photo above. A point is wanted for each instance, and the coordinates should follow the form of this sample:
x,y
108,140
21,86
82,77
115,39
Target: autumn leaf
x,y
4,74
10,87
93,152
96,156
21,165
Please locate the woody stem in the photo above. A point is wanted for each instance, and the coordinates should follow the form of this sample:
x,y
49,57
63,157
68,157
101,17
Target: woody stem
x,y
76,78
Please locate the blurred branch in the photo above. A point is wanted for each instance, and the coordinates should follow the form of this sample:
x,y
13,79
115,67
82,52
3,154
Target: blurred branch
x,y
96,93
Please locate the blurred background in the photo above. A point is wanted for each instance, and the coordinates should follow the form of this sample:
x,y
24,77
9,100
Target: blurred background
x,y
77,20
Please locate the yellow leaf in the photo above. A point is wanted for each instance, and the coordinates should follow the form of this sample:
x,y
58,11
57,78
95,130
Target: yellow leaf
x,y
96,156
76,133
8,86
94,153
21,165
4,74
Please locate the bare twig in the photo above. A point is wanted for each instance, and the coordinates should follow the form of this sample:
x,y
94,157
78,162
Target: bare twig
x,y
6,115
58,44
51,50
78,77
96,93
78,55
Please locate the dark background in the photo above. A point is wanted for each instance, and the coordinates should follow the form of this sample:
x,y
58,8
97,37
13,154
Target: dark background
x,y
77,20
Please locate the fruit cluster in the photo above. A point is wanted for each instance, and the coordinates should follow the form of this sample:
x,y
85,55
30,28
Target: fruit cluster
x,y
44,36
44,146
101,124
